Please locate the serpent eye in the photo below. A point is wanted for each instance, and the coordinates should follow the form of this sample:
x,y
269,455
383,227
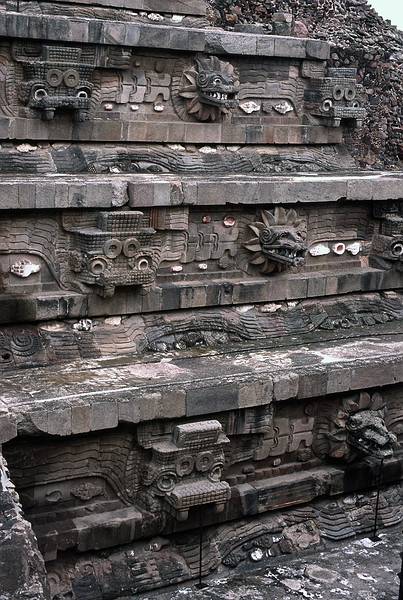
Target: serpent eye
x,y
112,248
353,425
217,81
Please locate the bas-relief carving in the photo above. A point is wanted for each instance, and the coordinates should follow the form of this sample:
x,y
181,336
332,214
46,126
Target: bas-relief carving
x,y
118,251
127,13
170,560
101,252
337,97
209,89
173,559
387,248
45,344
357,428
278,241
162,472
186,470
54,78
91,82
171,158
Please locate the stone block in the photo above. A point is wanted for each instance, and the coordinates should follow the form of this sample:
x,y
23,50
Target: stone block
x,y
236,43
338,380
372,375
172,405
150,406
289,47
265,45
80,418
312,384
104,415
39,419
59,420
317,49
285,386
129,411
8,428
255,394
206,400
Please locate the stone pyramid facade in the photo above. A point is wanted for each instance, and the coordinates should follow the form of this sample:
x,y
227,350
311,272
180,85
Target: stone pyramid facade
x,y
201,316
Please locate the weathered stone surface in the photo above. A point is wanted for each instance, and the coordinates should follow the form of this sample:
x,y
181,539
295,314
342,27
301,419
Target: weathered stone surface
x,y
200,305
22,569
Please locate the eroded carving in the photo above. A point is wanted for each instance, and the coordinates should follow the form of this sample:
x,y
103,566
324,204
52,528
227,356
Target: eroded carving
x,y
337,97
387,247
186,471
118,252
357,428
278,242
209,88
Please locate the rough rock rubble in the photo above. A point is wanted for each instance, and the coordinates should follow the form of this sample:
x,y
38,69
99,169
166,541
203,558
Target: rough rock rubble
x,y
361,39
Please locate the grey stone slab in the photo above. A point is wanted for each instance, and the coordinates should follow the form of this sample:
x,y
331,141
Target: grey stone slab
x,y
290,47
60,192
238,43
317,49
212,383
101,129
260,189
186,7
217,41
186,294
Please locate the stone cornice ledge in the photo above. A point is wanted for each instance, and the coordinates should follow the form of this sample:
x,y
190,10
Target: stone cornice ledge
x,y
187,7
213,41
142,191
98,394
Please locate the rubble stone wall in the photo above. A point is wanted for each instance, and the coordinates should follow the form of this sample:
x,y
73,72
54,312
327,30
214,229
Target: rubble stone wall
x,y
361,39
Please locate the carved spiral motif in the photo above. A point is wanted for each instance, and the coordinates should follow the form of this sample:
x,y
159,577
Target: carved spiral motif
x,y
25,344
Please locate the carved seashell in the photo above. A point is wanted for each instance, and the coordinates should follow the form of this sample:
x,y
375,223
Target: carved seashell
x,y
24,148
158,107
339,248
177,269
354,248
83,325
283,107
108,106
207,150
229,221
203,267
249,107
319,250
256,555
24,268
155,17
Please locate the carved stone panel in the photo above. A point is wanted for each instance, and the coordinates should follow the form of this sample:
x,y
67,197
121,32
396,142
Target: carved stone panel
x,y
130,95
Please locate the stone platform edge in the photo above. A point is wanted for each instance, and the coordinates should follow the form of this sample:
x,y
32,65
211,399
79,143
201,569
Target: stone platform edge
x,y
99,394
186,7
142,191
213,41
